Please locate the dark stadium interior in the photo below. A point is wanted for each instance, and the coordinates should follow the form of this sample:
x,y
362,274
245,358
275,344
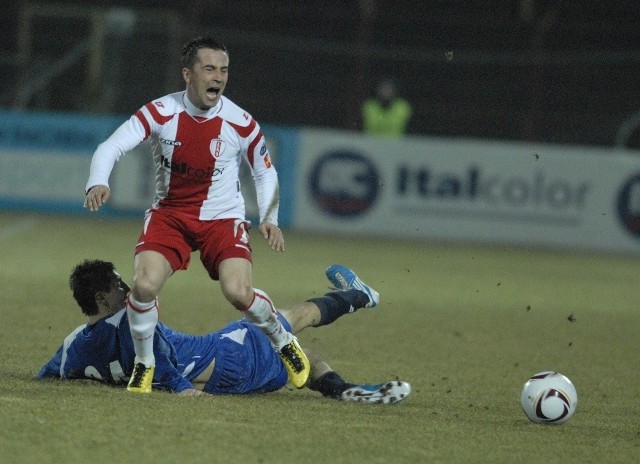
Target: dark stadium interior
x,y
550,71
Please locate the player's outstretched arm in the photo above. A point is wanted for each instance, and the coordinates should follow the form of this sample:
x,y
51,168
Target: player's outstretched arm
x,y
96,196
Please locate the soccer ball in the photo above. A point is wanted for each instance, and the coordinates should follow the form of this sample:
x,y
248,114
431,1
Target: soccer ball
x,y
549,398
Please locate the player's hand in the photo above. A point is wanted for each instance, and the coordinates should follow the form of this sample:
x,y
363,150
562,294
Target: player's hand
x,y
96,197
273,234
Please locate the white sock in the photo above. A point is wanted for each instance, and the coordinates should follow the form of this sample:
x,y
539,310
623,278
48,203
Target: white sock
x,y
143,319
263,315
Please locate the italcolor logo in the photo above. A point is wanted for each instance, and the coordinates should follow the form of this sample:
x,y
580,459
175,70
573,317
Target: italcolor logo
x,y
629,205
344,183
185,171
535,190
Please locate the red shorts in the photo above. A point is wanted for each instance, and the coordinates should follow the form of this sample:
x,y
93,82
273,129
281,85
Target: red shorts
x,y
176,236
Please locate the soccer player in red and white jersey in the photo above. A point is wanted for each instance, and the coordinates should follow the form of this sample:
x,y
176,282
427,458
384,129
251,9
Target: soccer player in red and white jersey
x,y
198,138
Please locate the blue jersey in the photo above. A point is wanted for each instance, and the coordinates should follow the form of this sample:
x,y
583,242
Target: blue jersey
x,y
245,361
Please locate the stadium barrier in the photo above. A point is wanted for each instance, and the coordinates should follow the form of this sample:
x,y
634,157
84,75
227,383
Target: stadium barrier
x,y
460,190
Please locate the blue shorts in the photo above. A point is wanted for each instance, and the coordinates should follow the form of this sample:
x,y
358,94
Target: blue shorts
x,y
246,362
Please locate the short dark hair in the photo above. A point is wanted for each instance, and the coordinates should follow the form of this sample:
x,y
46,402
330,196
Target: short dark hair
x,y
190,49
89,278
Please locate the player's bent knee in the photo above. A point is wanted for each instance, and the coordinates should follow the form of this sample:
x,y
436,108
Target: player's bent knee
x,y
240,296
240,302
145,289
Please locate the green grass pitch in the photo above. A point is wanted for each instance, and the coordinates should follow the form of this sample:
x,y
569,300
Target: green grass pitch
x,y
465,325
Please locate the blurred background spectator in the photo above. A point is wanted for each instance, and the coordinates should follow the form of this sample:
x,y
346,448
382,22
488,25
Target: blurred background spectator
x,y
386,114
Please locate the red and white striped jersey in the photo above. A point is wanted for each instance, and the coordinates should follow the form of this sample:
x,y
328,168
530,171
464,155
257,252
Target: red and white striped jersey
x,y
197,155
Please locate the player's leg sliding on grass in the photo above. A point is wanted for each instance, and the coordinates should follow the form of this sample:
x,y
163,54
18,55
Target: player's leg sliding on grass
x,y
352,295
328,382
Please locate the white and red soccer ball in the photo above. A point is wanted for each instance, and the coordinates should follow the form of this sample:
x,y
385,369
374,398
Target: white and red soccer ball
x,y
549,398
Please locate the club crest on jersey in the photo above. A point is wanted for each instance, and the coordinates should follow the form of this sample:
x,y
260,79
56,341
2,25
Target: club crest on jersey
x,y
217,147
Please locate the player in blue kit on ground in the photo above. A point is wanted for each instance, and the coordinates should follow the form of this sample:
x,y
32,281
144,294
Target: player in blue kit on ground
x,y
235,360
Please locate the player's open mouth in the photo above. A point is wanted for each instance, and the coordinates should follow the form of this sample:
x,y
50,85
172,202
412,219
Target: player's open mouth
x,y
213,92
